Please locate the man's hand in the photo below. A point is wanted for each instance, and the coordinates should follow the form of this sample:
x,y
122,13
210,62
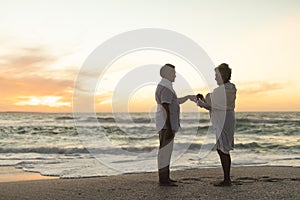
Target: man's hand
x,y
193,98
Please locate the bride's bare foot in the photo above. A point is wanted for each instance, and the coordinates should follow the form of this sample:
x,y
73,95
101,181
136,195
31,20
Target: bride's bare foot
x,y
223,184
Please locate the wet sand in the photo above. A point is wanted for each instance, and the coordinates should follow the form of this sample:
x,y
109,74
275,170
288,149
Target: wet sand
x,y
9,174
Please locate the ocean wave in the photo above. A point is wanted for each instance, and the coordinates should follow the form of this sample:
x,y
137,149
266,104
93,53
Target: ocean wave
x,y
44,150
104,119
255,145
139,150
119,120
251,146
39,130
64,118
204,120
202,127
142,120
56,150
266,121
143,149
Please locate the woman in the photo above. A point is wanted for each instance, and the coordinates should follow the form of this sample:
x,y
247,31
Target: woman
x,y
221,104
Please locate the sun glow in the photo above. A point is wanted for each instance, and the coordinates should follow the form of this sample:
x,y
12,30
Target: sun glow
x,y
51,101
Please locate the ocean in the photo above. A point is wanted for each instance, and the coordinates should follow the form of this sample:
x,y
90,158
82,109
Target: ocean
x,y
103,144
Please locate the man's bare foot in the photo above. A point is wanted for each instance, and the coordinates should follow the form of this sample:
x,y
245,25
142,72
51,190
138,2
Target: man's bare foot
x,y
172,180
168,184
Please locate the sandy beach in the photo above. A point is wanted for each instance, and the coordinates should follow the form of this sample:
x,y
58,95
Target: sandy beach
x,y
248,183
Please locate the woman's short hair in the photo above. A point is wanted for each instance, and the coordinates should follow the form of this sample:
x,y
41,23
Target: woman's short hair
x,y
225,72
165,70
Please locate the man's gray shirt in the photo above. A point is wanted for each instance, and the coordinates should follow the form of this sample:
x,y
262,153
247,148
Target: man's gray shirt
x,y
165,94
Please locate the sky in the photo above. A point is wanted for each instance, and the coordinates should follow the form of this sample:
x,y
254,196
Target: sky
x,y
45,43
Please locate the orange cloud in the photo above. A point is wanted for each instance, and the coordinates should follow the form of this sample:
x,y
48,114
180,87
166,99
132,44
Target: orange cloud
x,y
258,87
265,96
25,62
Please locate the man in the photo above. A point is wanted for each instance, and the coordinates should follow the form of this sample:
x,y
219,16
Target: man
x,y
221,104
167,121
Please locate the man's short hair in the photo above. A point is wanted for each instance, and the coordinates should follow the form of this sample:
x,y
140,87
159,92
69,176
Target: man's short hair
x,y
164,70
225,72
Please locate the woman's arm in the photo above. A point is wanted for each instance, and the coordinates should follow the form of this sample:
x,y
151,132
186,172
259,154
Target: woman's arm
x,y
203,104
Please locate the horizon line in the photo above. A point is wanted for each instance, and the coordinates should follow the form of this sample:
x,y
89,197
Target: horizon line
x,y
287,111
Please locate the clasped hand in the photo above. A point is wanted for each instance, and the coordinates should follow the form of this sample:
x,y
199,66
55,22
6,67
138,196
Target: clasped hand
x,y
195,98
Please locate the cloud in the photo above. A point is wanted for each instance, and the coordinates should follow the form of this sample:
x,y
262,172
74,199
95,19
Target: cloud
x,y
26,61
34,86
256,87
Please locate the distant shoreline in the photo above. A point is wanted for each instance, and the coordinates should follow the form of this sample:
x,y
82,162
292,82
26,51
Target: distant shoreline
x,y
141,112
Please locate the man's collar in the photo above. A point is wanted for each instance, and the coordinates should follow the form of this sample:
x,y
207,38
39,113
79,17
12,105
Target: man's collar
x,y
166,81
168,84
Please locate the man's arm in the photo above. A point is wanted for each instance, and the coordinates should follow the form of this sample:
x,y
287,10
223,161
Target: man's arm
x,y
168,119
184,99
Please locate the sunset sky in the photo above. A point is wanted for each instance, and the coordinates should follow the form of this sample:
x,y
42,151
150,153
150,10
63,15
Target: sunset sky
x,y
45,43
